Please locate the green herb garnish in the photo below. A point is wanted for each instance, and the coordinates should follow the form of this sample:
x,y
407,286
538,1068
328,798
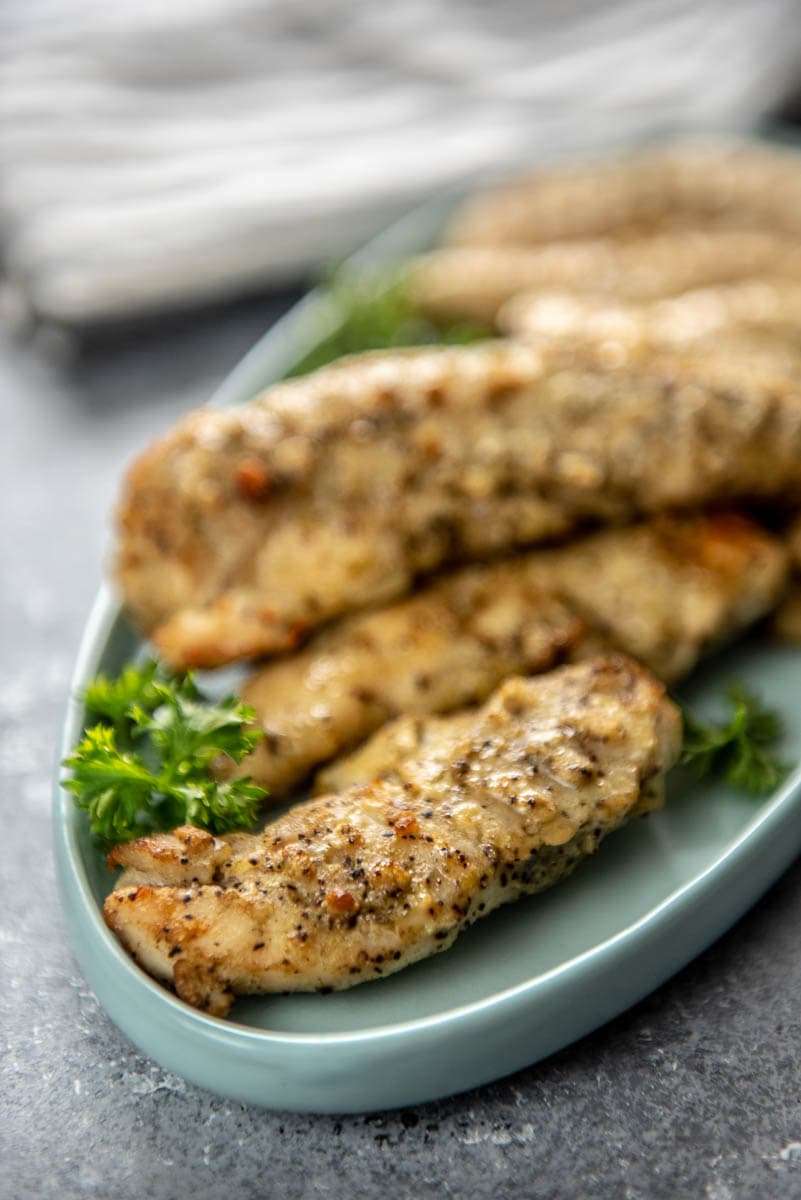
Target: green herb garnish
x,y
742,749
374,311
145,765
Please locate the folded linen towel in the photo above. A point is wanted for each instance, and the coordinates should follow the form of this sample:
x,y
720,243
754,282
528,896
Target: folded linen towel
x,y
154,155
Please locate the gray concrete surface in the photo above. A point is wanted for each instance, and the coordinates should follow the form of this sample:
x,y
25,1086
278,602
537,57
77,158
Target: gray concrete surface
x,y
694,1093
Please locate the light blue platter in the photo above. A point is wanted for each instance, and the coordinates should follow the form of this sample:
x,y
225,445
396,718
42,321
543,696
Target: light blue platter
x,y
519,985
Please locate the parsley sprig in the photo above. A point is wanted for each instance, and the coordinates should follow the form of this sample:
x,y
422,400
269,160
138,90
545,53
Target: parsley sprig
x,y
145,764
741,749
373,310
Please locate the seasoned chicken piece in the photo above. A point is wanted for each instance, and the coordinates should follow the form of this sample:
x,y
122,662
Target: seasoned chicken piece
x,y
669,590
385,754
740,184
168,857
440,650
242,530
662,591
763,312
345,888
476,281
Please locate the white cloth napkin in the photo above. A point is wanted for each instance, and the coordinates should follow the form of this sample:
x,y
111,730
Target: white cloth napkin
x,y
154,154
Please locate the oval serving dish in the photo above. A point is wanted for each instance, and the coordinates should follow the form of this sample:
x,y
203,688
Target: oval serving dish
x,y
516,987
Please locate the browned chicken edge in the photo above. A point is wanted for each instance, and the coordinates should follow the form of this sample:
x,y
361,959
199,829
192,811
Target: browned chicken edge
x,y
353,886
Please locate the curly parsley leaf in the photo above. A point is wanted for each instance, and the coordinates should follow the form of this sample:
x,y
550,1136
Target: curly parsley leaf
x,y
372,310
114,786
742,749
147,764
190,734
110,700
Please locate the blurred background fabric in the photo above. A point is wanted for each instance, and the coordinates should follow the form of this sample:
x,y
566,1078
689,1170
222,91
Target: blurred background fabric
x,y
154,155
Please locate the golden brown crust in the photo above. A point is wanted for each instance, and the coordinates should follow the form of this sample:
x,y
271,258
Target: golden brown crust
x,y
477,282
184,855
442,649
739,184
663,591
763,312
668,590
348,887
387,466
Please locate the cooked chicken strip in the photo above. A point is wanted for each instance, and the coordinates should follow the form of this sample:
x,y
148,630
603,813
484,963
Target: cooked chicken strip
x,y
440,650
662,591
244,529
665,592
764,314
765,311
669,590
476,281
385,754
740,184
345,888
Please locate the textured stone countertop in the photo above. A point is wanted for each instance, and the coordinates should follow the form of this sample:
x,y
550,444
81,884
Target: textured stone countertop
x,y
696,1092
